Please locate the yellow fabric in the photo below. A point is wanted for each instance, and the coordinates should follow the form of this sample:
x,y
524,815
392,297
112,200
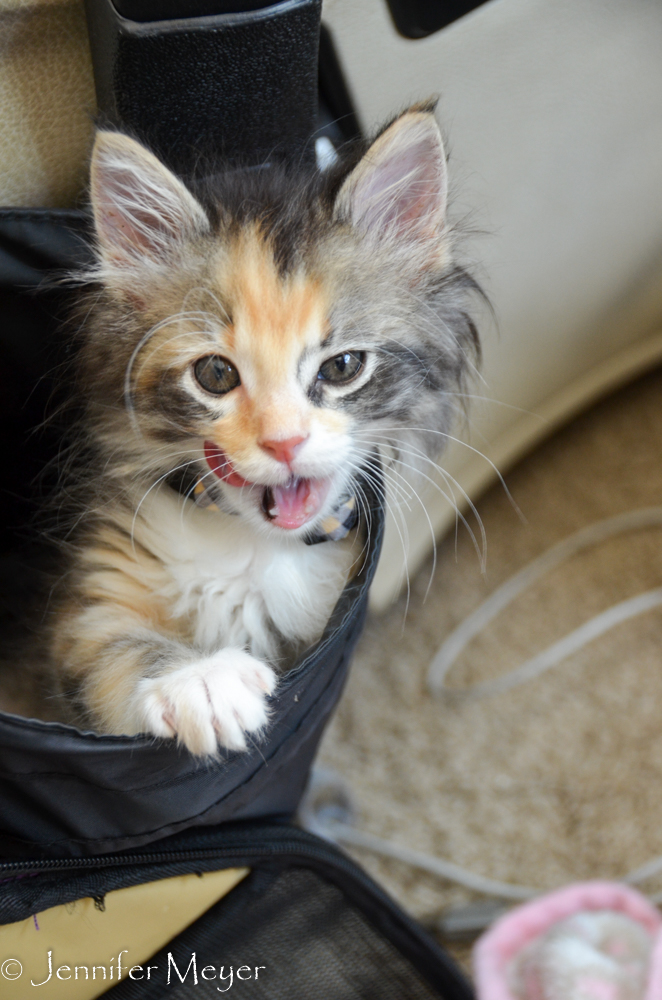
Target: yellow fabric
x,y
140,920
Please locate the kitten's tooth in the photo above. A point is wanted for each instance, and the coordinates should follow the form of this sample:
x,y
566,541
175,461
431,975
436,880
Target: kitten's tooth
x,y
269,508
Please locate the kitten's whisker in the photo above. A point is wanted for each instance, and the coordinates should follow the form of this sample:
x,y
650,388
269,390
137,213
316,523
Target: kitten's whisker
x,y
391,354
189,495
366,514
432,534
379,471
205,290
405,559
476,451
406,497
497,402
211,334
481,550
186,357
393,487
370,461
184,465
436,320
128,397
404,538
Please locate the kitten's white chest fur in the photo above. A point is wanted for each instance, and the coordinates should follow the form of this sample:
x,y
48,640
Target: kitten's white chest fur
x,y
235,586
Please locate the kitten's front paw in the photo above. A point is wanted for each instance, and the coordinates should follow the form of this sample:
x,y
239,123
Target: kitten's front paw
x,y
211,702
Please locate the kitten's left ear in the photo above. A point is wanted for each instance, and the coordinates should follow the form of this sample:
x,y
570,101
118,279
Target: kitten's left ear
x,y
141,210
399,188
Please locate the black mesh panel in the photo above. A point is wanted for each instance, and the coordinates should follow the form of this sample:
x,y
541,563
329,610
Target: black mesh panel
x,y
311,941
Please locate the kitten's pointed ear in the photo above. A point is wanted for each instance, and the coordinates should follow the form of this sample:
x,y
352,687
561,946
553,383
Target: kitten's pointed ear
x,y
141,210
400,186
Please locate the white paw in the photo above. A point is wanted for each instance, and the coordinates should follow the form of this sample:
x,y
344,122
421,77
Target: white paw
x,y
209,703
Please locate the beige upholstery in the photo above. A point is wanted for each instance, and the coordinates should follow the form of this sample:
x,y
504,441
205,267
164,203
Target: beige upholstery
x,y
47,103
553,113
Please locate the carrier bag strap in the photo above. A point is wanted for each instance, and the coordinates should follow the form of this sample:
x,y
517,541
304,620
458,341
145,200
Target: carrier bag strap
x,y
196,81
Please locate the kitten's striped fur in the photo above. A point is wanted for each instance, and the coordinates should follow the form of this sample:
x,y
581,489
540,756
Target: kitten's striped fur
x,y
171,619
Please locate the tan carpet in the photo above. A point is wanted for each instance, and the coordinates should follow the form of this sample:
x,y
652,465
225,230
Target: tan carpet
x,y
561,778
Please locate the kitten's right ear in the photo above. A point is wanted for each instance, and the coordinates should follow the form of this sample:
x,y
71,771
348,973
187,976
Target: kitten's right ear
x,y
141,210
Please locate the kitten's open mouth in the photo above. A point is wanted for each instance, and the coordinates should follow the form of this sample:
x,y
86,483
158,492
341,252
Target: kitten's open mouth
x,y
288,506
296,503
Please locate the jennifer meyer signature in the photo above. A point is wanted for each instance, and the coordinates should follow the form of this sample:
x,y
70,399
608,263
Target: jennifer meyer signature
x,y
118,967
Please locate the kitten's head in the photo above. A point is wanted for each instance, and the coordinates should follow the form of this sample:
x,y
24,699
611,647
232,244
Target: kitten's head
x,y
267,332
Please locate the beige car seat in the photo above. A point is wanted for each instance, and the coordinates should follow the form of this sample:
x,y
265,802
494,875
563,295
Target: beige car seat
x,y
553,115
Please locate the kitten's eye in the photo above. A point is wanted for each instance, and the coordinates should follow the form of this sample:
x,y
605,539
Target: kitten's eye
x,y
216,374
342,368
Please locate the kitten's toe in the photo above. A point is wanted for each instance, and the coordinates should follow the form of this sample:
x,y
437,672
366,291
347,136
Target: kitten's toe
x,y
210,703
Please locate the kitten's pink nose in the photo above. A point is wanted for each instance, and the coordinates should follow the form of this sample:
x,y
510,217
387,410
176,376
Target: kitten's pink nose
x,y
283,451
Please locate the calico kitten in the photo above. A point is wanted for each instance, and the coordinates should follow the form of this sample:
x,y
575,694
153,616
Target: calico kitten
x,y
247,344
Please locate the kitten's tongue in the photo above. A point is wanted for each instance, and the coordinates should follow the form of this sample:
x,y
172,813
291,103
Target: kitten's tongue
x,y
294,504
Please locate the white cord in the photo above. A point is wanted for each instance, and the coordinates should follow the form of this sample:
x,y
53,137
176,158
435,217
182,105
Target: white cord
x,y
346,834
554,654
508,591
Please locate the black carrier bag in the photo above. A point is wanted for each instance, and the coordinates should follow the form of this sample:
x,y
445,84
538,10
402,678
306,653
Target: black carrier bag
x,y
82,815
